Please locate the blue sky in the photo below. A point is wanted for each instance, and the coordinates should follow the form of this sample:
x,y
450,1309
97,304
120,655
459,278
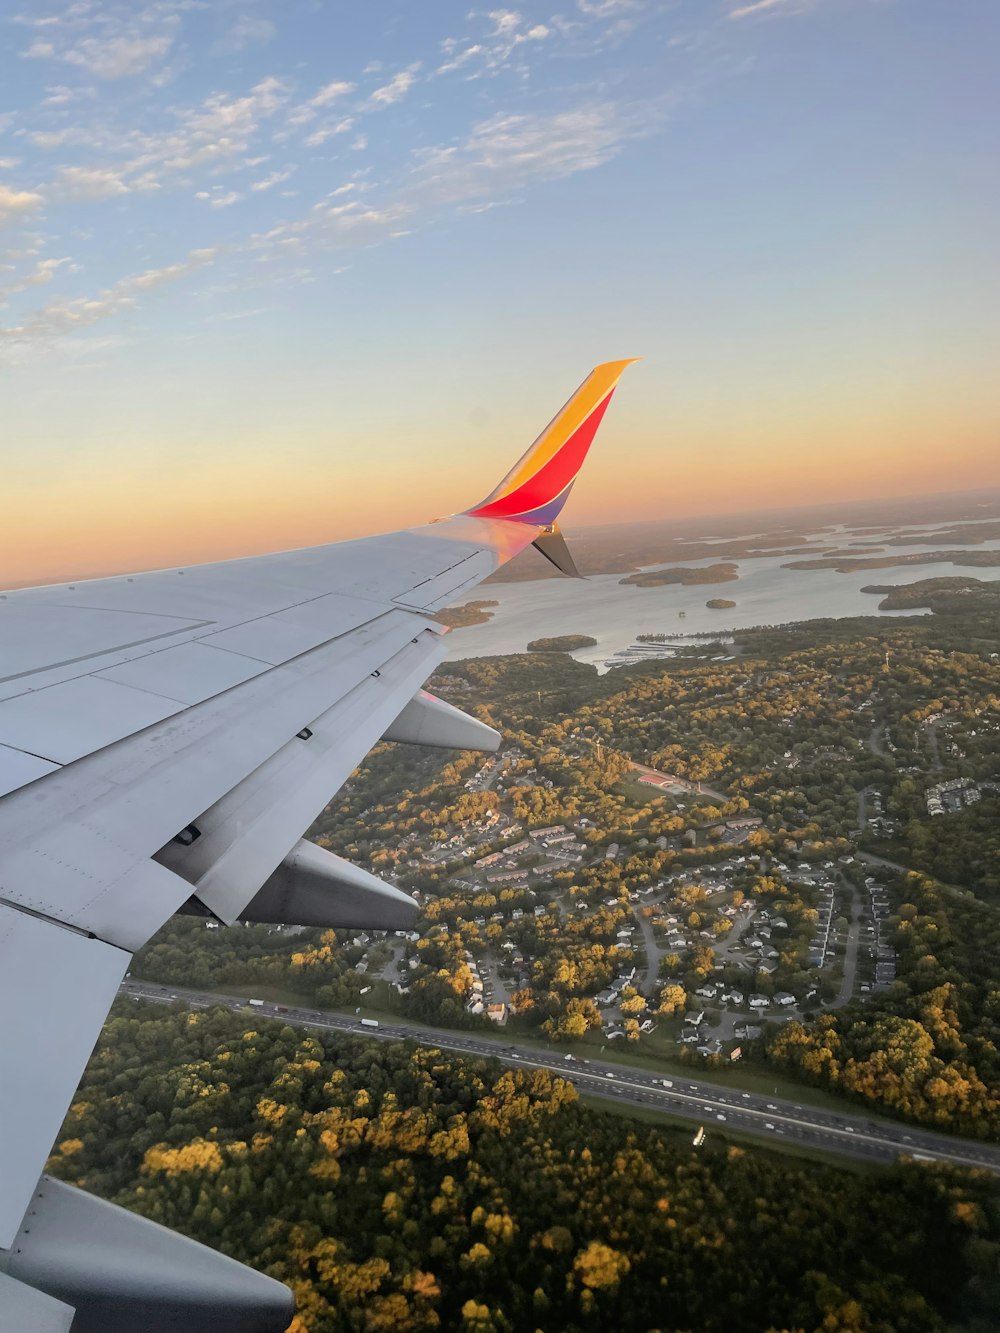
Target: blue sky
x,y
367,249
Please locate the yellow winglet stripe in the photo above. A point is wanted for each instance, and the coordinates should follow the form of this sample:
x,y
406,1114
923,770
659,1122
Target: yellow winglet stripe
x,y
594,389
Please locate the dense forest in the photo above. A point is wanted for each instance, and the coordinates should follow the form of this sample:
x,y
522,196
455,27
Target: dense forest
x,y
397,1188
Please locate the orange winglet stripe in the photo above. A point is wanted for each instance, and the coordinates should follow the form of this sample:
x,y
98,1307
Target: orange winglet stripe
x,y
540,481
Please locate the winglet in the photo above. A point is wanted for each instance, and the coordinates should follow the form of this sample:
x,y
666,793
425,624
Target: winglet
x,y
536,488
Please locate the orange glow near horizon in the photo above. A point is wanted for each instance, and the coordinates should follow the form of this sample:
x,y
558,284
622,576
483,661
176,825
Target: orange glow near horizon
x,y
111,518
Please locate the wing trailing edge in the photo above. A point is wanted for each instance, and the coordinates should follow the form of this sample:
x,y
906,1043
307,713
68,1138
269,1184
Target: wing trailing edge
x,y
120,1273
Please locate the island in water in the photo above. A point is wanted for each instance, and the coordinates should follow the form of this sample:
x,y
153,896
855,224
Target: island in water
x,y
980,559
723,572
720,604
562,643
947,595
469,613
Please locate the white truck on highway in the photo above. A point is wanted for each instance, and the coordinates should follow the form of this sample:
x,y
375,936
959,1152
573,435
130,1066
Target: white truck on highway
x,y
369,1022
257,1004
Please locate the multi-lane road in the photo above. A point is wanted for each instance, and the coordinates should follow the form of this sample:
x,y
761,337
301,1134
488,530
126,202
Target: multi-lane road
x,y
712,1105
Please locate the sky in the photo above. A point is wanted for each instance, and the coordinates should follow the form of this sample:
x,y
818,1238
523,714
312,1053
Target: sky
x,y
278,274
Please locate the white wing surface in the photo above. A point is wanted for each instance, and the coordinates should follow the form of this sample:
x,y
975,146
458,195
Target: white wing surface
x,y
165,739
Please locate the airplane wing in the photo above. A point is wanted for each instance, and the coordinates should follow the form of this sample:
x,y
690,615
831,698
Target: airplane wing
x,y
165,738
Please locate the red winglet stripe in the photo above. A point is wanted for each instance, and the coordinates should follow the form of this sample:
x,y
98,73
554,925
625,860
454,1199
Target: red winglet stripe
x,y
552,479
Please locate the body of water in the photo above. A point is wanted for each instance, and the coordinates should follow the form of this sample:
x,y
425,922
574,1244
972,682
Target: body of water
x,y
614,614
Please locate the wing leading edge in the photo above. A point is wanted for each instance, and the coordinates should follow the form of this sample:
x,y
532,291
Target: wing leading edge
x,y
164,740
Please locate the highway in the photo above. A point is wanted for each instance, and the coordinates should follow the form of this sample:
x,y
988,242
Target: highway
x,y
691,1099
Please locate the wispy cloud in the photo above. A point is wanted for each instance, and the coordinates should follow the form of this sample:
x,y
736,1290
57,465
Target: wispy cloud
x,y
508,152
77,183
106,58
93,145
217,132
490,51
220,200
324,132
269,182
248,30
763,6
331,92
499,157
396,89
43,272
62,318
15,203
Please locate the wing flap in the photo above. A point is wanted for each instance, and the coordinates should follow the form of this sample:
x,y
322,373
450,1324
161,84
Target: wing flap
x,y
245,835
122,1273
60,985
72,845
31,1311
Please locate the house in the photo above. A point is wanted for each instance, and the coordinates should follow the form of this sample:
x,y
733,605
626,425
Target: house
x,y
475,1006
696,1017
759,1002
497,1013
706,992
748,1032
767,968
784,998
539,833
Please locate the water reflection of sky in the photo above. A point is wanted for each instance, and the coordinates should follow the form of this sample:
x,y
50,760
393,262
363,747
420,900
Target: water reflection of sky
x,y
765,593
